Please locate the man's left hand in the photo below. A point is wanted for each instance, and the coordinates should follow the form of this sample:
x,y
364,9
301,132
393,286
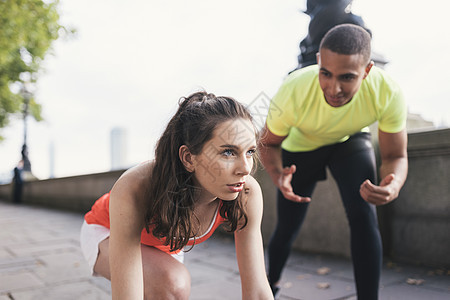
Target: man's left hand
x,y
382,194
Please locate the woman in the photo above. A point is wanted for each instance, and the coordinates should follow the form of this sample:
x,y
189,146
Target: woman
x,y
200,178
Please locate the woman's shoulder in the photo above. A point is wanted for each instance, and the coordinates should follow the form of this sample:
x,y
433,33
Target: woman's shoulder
x,y
251,181
134,181
138,174
252,186
128,202
253,201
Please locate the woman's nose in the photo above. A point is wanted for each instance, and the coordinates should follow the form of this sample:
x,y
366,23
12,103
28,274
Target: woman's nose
x,y
244,166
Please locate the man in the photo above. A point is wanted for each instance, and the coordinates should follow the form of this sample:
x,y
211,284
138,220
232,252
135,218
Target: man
x,y
326,109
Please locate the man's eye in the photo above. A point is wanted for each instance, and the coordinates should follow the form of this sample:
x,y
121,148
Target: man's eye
x,y
325,74
348,77
251,152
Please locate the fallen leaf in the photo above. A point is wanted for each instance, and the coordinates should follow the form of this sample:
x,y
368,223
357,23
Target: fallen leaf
x,y
323,285
390,265
323,271
303,276
413,281
287,285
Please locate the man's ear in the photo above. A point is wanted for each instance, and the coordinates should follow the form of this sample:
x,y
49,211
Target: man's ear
x,y
187,158
318,58
368,68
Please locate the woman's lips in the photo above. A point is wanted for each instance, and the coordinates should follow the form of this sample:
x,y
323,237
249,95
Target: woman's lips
x,y
236,187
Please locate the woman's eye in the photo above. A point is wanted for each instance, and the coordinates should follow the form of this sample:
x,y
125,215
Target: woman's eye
x,y
251,152
228,152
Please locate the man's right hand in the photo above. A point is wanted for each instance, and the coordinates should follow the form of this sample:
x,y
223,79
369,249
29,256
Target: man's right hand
x,y
285,186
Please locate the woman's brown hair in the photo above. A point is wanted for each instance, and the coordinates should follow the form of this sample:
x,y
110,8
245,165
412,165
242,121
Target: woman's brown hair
x,y
171,190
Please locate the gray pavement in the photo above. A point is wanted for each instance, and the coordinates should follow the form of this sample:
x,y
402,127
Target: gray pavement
x,y
40,259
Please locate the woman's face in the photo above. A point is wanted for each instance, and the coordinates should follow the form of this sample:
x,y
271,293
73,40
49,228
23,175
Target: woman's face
x,y
226,160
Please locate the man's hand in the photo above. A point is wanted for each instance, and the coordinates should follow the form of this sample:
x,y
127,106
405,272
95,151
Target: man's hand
x,y
386,192
285,186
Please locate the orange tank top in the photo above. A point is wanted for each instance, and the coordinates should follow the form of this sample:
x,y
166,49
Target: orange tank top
x,y
99,214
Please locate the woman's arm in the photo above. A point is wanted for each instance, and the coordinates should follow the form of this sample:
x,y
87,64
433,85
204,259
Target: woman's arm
x,y
249,248
127,220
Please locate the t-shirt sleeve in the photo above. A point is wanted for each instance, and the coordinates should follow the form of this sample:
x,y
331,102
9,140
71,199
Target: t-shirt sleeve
x,y
280,117
393,118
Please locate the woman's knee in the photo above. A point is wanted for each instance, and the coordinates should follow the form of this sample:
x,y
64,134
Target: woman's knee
x,y
172,283
101,266
179,283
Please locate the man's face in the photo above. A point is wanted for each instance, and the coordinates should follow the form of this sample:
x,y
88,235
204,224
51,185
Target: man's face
x,y
340,75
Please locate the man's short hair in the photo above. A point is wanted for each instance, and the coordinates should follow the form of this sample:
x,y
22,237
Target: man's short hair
x,y
348,39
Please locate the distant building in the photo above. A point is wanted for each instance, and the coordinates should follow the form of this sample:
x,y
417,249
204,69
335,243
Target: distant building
x,y
118,148
51,159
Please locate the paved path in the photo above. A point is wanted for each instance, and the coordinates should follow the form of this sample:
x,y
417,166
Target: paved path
x,y
40,259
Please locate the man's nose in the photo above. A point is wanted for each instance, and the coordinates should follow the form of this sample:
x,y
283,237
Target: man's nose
x,y
335,87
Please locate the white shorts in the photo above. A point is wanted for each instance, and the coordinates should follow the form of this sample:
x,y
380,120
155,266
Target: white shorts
x,y
90,237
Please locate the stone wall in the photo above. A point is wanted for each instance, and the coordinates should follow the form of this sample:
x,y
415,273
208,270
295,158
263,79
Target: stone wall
x,y
419,221
76,193
414,228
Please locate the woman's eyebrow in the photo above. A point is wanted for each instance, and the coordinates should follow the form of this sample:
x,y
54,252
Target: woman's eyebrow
x,y
236,147
229,146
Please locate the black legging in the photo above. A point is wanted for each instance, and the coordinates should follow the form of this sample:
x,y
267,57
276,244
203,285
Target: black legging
x,y
350,163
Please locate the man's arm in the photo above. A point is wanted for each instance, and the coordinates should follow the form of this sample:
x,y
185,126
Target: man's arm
x,y
270,155
393,170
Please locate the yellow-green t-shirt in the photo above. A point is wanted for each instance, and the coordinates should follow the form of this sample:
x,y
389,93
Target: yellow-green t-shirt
x,y
300,112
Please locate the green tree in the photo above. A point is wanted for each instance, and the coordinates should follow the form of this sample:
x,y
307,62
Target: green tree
x,y
27,30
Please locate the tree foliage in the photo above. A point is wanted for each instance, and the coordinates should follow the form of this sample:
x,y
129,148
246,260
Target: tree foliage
x,y
27,30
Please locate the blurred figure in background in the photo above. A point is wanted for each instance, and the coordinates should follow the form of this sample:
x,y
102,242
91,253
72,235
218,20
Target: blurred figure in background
x,y
18,183
324,14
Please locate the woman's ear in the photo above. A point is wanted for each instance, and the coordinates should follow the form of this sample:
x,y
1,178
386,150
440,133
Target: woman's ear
x,y
186,158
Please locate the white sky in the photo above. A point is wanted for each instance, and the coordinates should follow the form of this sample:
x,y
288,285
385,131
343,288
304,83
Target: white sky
x,y
132,60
